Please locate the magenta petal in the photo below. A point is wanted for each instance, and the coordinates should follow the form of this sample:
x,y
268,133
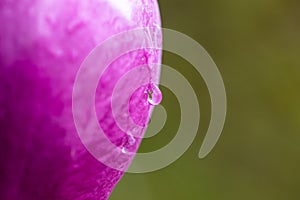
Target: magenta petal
x,y
43,43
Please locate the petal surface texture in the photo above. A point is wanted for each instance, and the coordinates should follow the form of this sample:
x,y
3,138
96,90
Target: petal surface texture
x,y
42,46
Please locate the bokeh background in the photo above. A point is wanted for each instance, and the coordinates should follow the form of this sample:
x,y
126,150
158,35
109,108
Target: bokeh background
x,y
256,45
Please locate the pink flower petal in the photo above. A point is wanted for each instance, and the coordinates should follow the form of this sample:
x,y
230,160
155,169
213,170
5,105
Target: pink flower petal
x,y
43,43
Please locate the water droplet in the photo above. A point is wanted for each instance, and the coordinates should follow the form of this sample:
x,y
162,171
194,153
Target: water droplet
x,y
154,95
124,150
131,139
128,142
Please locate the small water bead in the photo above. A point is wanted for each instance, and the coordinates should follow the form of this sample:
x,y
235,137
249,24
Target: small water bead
x,y
131,139
128,143
154,95
123,150
143,58
140,104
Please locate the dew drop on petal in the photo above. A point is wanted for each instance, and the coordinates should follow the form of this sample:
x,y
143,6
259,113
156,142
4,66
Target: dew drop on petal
x,y
154,94
131,139
124,150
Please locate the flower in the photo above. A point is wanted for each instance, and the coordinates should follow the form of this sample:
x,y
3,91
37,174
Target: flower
x,y
43,44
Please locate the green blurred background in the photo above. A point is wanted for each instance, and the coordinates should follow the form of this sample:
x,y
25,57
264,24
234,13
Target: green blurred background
x,y
256,45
